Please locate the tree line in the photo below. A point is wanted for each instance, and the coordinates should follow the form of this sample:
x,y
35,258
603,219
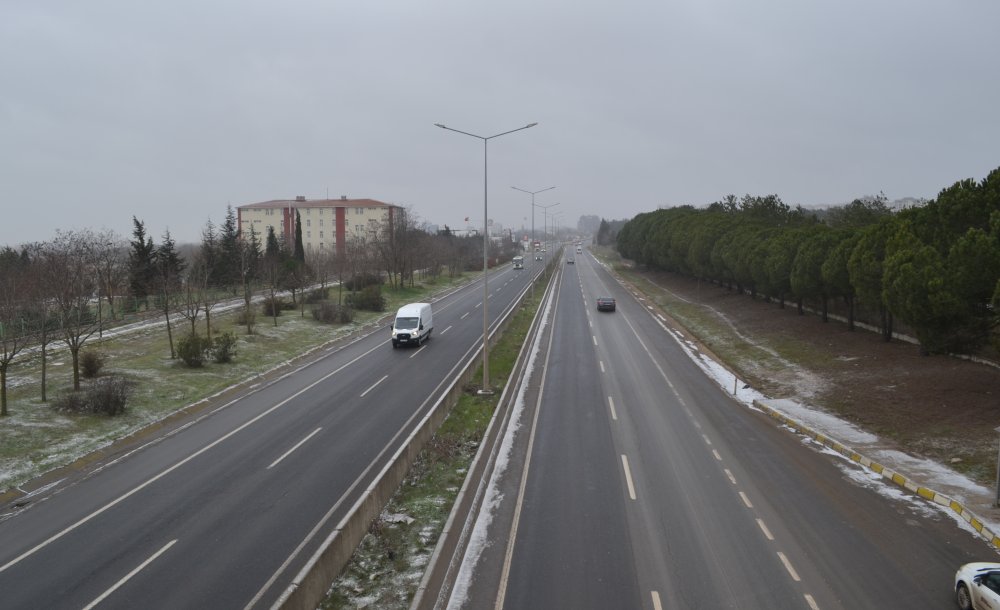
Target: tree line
x,y
71,287
935,267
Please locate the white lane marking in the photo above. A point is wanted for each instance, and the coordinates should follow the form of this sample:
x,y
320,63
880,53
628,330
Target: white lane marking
x,y
628,477
594,338
465,314
705,436
763,528
732,479
445,330
746,500
812,602
414,354
656,600
788,566
601,362
197,453
129,576
384,377
611,403
297,445
479,304
716,454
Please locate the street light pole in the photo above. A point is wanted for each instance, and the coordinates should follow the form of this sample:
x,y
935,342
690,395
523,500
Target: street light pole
x,y
486,240
545,217
532,193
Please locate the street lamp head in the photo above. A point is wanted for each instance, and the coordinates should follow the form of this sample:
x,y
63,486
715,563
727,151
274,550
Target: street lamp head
x,y
440,125
530,125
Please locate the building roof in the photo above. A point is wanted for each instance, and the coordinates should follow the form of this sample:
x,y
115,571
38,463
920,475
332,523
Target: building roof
x,y
343,202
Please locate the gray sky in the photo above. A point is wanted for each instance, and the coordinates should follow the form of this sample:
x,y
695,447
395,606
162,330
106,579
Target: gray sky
x,y
115,108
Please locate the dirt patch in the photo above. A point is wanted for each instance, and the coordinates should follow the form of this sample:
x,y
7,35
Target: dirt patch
x,y
939,407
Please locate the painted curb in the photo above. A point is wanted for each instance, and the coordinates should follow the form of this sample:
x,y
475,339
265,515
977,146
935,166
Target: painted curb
x,y
886,473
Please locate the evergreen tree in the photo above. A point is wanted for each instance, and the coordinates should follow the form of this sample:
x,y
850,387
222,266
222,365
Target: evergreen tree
x,y
142,263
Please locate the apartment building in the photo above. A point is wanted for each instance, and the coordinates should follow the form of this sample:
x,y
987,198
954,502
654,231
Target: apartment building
x,y
327,224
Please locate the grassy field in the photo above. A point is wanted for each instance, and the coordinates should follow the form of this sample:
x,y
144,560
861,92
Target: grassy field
x,y
35,438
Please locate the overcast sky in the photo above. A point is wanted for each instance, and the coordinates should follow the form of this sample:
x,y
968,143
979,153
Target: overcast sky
x,y
171,111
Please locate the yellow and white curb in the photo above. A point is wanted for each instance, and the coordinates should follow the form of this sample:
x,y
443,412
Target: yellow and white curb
x,y
886,473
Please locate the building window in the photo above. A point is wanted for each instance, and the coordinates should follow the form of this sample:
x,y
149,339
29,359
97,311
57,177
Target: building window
x,y
321,235
321,222
320,245
308,222
309,234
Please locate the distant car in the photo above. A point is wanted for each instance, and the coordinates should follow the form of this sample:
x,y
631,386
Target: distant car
x,y
977,586
605,304
538,257
570,261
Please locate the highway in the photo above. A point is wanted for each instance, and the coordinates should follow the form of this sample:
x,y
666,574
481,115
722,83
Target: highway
x,y
223,513
635,481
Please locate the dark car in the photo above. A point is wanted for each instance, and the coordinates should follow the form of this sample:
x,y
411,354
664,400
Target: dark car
x,y
570,261
605,304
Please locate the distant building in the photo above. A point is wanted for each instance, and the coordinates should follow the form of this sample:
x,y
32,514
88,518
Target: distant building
x,y
327,224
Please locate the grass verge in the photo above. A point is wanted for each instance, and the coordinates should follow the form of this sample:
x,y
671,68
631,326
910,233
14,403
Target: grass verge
x,y
386,569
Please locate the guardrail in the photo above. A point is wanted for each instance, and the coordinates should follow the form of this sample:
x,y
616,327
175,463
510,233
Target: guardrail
x,y
310,585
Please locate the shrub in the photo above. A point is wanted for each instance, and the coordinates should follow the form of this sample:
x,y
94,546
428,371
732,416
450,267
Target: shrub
x,y
91,364
364,280
288,305
224,348
369,299
272,306
243,316
317,296
191,349
332,313
106,396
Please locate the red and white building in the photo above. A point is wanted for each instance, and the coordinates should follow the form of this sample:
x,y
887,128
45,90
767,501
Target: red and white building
x,y
327,224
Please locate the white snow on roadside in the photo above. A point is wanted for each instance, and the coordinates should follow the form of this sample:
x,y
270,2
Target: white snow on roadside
x,y
931,474
478,540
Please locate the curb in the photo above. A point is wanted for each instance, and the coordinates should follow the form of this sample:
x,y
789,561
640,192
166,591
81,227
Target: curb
x,y
887,473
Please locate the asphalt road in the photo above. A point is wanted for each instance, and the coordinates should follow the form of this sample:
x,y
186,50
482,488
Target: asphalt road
x,y
637,482
223,513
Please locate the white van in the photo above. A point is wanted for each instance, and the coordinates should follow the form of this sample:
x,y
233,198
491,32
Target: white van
x,y
413,324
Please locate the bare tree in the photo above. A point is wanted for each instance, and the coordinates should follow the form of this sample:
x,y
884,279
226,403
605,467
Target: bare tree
x,y
72,282
168,267
194,291
111,264
15,330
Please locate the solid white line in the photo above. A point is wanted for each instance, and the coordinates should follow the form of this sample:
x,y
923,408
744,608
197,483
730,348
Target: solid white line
x,y
297,445
656,601
384,377
628,477
812,602
763,528
611,403
732,479
746,500
465,314
716,454
788,566
129,576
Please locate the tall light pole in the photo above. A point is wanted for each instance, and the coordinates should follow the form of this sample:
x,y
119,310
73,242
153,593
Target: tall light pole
x,y
486,246
532,193
545,217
